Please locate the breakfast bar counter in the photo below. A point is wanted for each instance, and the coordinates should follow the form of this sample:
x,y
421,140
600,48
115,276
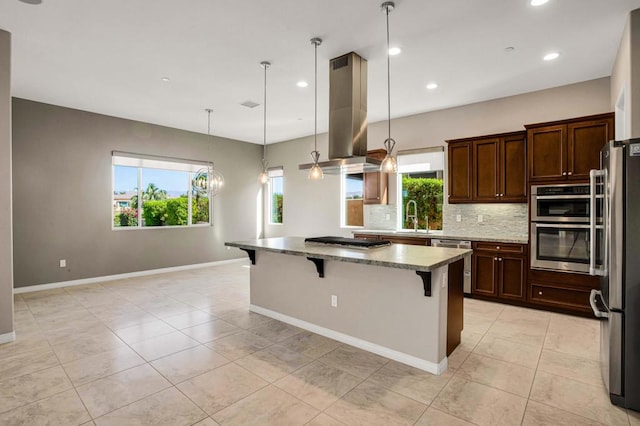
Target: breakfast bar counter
x,y
399,301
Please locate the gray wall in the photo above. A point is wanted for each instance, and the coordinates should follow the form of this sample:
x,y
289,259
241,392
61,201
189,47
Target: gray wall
x,y
313,207
6,262
627,64
63,188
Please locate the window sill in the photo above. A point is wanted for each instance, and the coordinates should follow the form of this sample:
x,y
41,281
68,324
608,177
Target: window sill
x,y
131,228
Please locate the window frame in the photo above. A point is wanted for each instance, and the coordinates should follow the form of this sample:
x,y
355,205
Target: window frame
x,y
128,159
343,201
274,172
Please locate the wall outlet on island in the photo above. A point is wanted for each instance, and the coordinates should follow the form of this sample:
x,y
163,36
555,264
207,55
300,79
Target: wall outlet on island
x,y
480,218
334,301
63,263
458,218
387,216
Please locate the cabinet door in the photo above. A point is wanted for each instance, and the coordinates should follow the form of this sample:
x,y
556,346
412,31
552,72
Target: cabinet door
x,y
485,170
513,167
372,188
512,277
547,153
585,141
484,274
460,172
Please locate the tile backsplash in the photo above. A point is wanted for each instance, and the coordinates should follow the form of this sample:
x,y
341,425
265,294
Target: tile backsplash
x,y
380,216
509,220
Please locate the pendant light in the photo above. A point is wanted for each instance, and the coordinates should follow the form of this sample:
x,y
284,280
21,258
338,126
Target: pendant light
x,y
315,173
389,164
264,176
216,180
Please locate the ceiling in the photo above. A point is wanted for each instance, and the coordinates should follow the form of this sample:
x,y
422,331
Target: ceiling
x,y
109,56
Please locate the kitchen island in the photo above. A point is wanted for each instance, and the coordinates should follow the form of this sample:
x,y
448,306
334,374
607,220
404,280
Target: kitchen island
x,y
399,301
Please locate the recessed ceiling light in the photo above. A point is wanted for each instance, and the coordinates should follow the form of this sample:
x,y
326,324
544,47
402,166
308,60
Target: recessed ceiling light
x,y
165,79
551,56
250,104
31,1
432,86
393,51
538,2
509,49
302,83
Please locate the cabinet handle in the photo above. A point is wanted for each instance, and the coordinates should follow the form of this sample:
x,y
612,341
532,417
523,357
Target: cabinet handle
x,y
500,259
570,173
495,258
497,247
564,173
497,195
502,195
539,293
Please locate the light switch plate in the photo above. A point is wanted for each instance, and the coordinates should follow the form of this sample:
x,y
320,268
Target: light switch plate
x,y
334,301
458,218
63,263
480,218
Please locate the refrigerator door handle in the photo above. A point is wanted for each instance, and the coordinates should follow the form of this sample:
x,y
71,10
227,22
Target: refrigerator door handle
x,y
593,175
594,304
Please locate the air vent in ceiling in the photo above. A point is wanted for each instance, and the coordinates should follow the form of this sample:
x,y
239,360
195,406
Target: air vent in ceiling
x,y
249,104
340,62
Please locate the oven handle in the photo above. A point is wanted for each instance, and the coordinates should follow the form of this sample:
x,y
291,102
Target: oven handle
x,y
567,225
593,175
562,197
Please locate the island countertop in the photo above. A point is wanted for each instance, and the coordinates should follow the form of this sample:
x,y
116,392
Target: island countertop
x,y
417,258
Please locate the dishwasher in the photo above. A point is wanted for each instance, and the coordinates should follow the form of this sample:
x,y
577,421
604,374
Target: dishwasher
x,y
467,259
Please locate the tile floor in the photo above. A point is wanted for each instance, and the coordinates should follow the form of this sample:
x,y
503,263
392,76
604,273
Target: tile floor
x,y
182,349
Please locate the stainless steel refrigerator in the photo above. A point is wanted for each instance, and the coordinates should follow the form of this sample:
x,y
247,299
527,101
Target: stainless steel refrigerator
x,y
616,186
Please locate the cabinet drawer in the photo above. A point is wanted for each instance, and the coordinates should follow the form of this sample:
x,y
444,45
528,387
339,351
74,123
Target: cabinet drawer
x,y
568,298
501,247
366,236
415,241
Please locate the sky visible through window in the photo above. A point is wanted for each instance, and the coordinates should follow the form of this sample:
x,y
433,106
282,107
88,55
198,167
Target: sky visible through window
x,y
126,179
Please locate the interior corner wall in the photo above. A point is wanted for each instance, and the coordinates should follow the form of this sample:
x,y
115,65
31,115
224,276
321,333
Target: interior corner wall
x,y
626,66
313,207
6,246
63,193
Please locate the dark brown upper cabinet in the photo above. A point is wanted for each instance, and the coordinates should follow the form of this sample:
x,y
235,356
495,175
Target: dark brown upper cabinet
x,y
488,169
376,184
567,150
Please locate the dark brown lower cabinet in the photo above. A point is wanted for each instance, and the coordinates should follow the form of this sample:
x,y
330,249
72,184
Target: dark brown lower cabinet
x,y
562,291
455,305
499,271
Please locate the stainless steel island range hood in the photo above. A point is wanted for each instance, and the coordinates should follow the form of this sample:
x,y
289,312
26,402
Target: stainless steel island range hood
x,y
347,118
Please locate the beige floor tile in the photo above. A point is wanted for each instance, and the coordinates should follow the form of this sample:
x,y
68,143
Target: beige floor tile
x,y
457,357
508,350
354,361
189,319
273,362
538,414
212,330
310,344
78,331
528,331
95,367
476,324
580,369
634,417
128,319
574,336
578,398
517,313
221,387
433,417
161,346
268,406
167,309
480,404
469,340
25,389
19,304
110,393
239,345
166,408
324,420
373,405
246,319
487,310
61,409
207,422
24,344
188,363
498,374
145,331
86,347
27,362
410,382
318,384
276,331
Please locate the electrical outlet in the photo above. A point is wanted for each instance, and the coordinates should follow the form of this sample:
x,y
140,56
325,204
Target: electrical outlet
x,y
458,218
334,301
63,263
480,218
388,217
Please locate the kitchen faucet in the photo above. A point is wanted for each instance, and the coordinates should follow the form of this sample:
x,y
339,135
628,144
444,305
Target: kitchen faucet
x,y
413,217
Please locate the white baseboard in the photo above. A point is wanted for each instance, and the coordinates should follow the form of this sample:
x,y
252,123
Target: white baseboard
x,y
7,337
411,360
95,280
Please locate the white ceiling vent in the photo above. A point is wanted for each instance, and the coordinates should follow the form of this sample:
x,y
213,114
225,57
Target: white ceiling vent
x,y
250,104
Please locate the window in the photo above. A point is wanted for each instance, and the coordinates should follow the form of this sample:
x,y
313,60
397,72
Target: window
x,y
352,210
420,179
276,194
155,191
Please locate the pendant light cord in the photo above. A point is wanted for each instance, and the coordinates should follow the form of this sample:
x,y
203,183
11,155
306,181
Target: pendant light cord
x,y
388,76
315,100
264,130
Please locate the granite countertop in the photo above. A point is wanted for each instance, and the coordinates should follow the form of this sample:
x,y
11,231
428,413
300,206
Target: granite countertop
x,y
416,258
447,235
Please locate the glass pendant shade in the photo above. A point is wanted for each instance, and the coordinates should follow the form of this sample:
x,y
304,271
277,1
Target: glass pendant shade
x,y
263,178
315,173
216,182
389,165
